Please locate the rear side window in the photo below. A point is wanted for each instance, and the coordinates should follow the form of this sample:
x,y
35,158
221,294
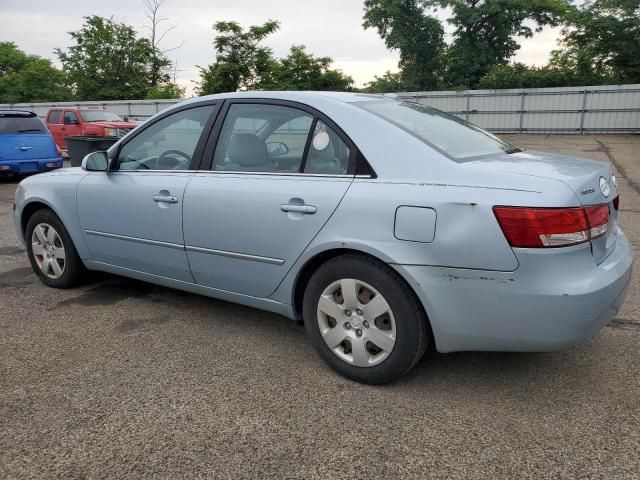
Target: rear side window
x,y
262,138
11,123
328,154
54,116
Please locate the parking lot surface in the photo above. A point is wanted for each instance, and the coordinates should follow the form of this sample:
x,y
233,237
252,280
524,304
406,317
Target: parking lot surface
x,y
121,379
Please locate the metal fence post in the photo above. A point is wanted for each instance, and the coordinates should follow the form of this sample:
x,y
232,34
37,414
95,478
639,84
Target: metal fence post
x,y
522,95
582,112
466,116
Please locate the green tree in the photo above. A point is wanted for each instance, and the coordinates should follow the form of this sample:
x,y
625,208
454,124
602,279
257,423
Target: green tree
x,y
29,78
519,75
418,37
387,83
165,91
484,35
485,32
603,36
242,63
108,61
303,71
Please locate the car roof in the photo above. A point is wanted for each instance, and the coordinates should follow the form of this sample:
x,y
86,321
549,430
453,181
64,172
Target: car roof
x,y
16,113
73,107
300,96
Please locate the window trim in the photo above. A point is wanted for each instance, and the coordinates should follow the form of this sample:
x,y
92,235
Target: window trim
x,y
197,153
307,146
210,148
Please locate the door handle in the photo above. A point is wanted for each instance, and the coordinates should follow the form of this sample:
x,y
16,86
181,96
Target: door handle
x,y
307,209
165,199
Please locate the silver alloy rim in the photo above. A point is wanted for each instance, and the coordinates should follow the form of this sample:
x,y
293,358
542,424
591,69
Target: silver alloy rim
x,y
356,322
48,250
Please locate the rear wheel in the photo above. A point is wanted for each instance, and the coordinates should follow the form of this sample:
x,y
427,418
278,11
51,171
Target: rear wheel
x,y
363,320
51,252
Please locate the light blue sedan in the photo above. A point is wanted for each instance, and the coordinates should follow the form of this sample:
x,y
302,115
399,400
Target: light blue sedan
x,y
386,226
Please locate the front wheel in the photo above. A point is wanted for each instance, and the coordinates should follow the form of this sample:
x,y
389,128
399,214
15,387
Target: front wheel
x,y
51,252
364,320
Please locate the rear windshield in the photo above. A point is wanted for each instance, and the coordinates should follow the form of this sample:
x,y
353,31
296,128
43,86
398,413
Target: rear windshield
x,y
20,124
447,133
100,116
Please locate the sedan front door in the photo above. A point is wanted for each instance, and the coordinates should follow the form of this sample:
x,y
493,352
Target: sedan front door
x,y
248,219
132,215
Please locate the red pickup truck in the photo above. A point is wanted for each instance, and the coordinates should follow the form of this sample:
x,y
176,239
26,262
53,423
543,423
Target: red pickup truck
x,y
70,121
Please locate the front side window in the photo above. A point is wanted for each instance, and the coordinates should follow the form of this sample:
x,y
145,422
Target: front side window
x,y
451,135
168,144
262,138
70,118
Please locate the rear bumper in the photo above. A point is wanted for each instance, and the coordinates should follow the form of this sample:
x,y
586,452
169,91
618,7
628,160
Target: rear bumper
x,y
543,305
30,166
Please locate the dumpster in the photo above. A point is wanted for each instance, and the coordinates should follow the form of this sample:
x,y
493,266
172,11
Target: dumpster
x,y
79,147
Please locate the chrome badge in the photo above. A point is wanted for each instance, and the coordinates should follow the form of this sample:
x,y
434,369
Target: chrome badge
x,y
588,190
604,187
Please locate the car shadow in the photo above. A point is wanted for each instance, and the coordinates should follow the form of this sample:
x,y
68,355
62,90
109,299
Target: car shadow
x,y
461,371
10,179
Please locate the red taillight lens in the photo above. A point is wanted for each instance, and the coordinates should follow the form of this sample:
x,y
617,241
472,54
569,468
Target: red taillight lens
x,y
551,227
616,203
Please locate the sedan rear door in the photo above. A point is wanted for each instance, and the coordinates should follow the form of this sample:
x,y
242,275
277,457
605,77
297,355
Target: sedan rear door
x,y
249,218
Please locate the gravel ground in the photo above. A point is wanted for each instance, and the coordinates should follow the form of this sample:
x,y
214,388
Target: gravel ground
x,y
120,379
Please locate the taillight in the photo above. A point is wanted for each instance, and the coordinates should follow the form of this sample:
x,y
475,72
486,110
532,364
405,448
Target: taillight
x,y
616,203
551,227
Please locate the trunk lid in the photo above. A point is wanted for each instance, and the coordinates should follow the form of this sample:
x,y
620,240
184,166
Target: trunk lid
x,y
592,182
26,146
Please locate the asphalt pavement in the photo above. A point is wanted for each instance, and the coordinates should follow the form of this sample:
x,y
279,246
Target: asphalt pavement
x,y
121,379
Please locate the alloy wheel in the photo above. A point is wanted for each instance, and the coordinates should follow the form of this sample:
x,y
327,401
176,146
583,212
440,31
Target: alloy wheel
x,y
48,250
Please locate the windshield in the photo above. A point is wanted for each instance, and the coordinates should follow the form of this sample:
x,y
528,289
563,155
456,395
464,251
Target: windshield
x,y
100,116
447,133
12,123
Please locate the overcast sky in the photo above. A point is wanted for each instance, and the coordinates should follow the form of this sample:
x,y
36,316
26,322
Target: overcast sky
x,y
329,27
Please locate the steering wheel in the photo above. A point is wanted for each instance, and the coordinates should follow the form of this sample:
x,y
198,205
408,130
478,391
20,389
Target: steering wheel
x,y
174,153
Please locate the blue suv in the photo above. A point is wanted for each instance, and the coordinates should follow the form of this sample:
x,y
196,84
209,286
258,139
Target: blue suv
x,y
26,145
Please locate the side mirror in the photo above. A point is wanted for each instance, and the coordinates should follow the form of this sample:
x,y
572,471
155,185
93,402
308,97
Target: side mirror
x,y
276,149
95,162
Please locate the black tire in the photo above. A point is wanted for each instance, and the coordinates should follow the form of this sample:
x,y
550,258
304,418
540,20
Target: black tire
x,y
73,270
413,333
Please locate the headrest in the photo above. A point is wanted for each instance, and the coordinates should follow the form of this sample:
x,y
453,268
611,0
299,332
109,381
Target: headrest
x,y
327,153
247,150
